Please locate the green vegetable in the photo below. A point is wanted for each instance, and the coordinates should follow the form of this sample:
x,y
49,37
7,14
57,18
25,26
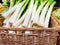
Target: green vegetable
x,y
27,18
12,3
28,13
17,23
10,11
36,17
18,1
16,13
49,14
5,2
43,13
33,13
22,9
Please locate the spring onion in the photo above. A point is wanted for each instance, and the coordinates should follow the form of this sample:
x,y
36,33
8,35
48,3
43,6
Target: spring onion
x,y
18,1
17,23
22,9
9,12
33,13
28,13
43,13
49,14
27,18
12,3
13,17
5,2
36,18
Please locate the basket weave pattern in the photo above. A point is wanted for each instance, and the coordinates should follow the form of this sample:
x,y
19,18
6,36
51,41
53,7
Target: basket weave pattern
x,y
22,37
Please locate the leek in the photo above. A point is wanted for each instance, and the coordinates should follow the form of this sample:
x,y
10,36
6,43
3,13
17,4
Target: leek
x,y
12,3
33,13
49,14
22,9
18,1
36,17
34,10
16,24
10,11
13,17
28,15
6,20
4,2
43,13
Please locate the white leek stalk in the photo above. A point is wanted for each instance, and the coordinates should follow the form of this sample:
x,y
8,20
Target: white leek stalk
x,y
36,17
12,3
6,20
16,24
9,12
22,9
6,23
49,14
28,15
15,14
43,14
33,13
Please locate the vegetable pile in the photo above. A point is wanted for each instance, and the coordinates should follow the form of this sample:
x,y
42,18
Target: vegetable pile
x,y
28,13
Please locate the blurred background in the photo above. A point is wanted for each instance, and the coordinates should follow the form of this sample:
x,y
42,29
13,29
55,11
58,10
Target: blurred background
x,y
0,1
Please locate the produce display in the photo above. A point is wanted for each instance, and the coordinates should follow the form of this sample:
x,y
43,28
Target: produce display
x,y
27,13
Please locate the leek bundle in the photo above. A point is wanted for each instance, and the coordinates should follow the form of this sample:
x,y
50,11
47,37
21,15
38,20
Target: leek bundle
x,y
28,13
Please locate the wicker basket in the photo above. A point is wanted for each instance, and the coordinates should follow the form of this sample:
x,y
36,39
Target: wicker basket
x,y
54,21
1,20
56,24
22,36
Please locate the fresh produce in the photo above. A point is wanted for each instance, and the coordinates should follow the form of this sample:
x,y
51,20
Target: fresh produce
x,y
43,13
10,11
56,13
28,13
17,12
33,13
5,2
23,7
49,14
36,17
12,3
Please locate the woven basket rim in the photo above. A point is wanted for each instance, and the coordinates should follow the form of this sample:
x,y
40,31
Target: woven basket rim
x,y
32,29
